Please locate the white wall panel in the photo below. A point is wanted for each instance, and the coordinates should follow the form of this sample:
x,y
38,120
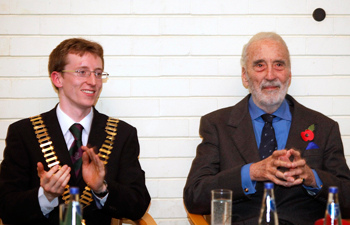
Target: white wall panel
x,y
171,62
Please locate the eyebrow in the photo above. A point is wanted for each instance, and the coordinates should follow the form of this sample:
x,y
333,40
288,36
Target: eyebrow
x,y
280,61
85,67
263,61
258,61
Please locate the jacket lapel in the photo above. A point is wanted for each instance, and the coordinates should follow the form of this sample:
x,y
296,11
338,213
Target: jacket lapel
x,y
58,142
299,124
97,134
242,132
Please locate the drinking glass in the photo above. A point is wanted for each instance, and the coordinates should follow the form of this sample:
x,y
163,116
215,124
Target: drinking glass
x,y
221,207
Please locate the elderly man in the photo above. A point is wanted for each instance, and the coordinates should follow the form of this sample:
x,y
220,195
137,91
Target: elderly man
x,y
72,145
268,136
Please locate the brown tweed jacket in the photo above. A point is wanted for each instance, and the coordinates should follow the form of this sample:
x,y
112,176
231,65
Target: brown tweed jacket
x,y
228,143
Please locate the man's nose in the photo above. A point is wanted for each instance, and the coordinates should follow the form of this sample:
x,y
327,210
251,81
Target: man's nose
x,y
270,73
91,79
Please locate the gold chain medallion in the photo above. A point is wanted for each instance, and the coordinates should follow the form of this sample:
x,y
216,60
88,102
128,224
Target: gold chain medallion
x,y
47,149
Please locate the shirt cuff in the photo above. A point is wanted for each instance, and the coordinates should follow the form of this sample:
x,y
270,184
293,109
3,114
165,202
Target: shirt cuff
x,y
248,185
311,190
100,202
45,205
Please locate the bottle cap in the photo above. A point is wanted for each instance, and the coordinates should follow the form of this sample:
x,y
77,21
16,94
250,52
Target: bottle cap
x,y
74,190
333,189
268,185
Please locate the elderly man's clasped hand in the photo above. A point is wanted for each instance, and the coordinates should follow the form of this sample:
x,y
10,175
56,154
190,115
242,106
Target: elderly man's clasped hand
x,y
283,167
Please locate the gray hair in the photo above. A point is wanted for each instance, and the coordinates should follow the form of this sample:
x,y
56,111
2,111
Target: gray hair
x,y
262,36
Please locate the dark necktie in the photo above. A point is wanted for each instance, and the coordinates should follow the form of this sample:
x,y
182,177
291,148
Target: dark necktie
x,y
268,142
75,151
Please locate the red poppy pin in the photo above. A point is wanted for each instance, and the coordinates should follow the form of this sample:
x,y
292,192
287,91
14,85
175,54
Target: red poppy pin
x,y
308,135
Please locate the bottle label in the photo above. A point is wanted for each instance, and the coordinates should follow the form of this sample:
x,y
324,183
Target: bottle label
x,y
270,204
273,205
333,210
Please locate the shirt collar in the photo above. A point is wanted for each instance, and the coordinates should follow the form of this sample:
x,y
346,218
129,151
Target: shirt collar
x,y
66,122
282,112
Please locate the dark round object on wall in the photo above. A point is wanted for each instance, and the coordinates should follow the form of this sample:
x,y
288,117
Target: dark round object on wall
x,y
319,14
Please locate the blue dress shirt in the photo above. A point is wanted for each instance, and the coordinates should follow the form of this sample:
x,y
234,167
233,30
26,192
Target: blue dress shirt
x,y
281,123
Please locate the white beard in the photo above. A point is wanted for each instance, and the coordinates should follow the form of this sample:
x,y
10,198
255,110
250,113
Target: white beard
x,y
266,98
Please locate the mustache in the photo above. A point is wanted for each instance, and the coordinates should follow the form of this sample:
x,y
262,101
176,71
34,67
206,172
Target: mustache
x,y
267,83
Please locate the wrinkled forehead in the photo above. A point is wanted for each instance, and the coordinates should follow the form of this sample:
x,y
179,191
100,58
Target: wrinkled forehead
x,y
268,50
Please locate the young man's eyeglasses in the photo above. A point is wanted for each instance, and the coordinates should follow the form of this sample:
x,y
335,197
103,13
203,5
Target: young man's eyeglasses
x,y
99,74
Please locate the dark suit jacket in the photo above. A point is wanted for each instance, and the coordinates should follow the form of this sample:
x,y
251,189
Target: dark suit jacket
x,y
229,143
19,182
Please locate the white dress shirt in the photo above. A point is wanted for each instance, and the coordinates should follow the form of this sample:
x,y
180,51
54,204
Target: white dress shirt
x,y
65,123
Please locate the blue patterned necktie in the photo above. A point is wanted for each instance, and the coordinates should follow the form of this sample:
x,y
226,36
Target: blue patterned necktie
x,y
75,151
268,142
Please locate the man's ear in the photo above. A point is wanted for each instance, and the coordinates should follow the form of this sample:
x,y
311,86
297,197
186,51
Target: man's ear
x,y
245,78
290,79
56,79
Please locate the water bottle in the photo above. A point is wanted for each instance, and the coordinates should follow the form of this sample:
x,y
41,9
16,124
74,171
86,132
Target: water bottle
x,y
268,213
332,215
74,214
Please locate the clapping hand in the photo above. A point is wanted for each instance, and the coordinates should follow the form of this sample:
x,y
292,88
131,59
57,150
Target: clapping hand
x,y
93,170
53,181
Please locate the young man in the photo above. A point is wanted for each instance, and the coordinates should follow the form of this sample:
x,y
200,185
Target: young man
x,y
72,145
